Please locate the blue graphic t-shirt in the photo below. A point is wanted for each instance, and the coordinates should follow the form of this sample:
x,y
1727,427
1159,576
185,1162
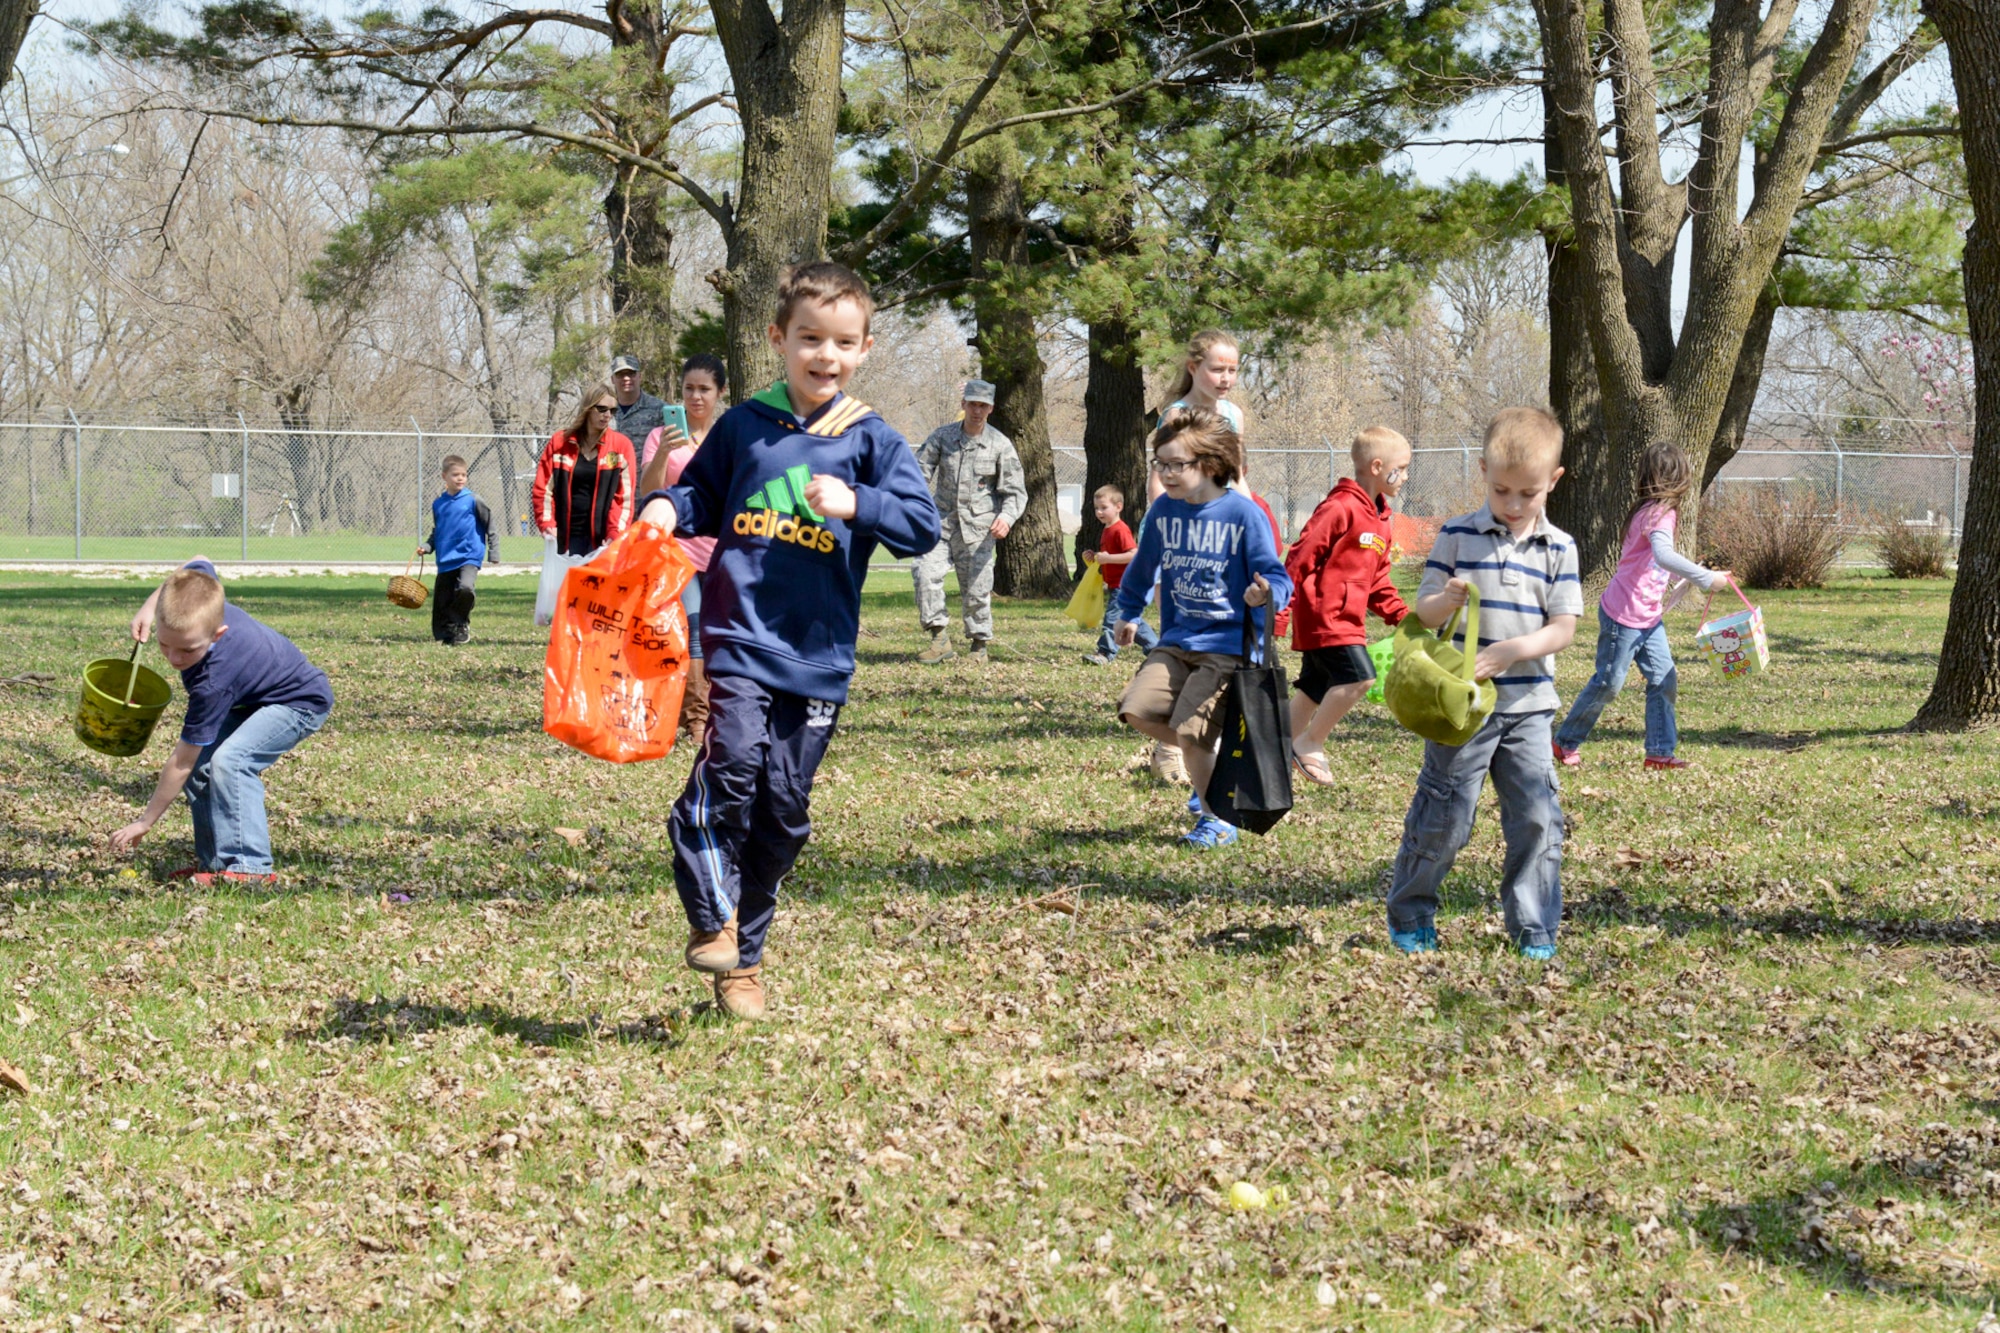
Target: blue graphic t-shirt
x,y
1205,556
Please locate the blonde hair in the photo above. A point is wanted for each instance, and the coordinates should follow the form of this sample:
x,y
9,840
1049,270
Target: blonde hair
x,y
191,602
1523,437
1208,437
1116,492
582,417
1375,442
1198,349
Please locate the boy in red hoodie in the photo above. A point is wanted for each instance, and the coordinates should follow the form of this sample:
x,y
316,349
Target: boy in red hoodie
x,y
1340,568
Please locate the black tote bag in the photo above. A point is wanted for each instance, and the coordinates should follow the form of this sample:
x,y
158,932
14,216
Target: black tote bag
x,y
1252,784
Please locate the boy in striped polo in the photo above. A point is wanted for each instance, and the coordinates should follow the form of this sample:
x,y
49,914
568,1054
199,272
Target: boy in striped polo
x,y
1529,599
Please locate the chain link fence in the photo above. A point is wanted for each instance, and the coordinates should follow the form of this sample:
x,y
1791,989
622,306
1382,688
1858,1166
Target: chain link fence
x,y
87,492
83,491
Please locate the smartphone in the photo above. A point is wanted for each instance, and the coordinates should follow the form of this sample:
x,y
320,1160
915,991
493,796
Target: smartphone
x,y
677,417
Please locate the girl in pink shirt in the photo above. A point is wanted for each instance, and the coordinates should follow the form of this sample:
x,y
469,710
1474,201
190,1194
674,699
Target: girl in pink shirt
x,y
1630,618
704,382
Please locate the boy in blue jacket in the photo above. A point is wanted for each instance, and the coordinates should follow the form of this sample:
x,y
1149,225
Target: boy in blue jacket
x,y
798,486
1217,562
462,540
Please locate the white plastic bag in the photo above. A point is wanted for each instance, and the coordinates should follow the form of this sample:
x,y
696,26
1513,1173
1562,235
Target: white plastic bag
x,y
554,566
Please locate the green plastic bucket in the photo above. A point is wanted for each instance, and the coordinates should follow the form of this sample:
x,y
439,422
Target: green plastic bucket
x,y
104,721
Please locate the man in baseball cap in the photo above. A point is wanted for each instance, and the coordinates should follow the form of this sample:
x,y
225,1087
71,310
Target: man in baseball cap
x,y
638,411
976,478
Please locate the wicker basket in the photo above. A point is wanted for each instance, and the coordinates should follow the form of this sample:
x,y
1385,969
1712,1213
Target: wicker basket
x,y
405,591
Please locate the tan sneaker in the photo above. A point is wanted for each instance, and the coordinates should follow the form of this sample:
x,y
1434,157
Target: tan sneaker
x,y
713,950
740,993
1167,765
939,651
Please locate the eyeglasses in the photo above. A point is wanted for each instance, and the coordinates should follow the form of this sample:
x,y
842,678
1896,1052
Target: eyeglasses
x,y
604,407
1170,469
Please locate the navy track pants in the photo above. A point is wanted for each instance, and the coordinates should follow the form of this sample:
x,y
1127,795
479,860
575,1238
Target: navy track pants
x,y
745,816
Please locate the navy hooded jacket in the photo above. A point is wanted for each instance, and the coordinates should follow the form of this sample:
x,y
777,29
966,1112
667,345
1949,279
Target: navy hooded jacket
x,y
781,601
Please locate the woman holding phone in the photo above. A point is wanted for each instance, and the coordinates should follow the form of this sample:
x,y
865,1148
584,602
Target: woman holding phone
x,y
704,385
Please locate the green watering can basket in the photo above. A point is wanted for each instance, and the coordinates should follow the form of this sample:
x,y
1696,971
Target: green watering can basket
x,y
1430,688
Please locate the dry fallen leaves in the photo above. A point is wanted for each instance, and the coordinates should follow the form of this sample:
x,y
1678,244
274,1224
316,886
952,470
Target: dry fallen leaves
x,y
14,1079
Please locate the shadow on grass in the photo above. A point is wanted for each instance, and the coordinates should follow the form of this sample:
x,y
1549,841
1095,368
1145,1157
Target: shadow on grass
x,y
1611,907
1852,1231
388,1021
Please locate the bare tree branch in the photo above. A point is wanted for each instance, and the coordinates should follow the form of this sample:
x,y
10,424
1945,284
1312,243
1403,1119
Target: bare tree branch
x,y
920,191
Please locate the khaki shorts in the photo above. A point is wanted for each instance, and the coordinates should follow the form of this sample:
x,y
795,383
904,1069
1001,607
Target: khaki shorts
x,y
1183,690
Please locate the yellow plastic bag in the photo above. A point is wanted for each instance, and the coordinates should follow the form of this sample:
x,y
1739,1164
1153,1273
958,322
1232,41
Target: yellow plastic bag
x,y
618,652
1086,604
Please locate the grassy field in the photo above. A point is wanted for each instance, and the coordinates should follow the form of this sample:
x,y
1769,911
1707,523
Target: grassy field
x,y
451,1073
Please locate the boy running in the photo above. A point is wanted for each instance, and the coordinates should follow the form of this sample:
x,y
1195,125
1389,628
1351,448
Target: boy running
x,y
798,486
462,540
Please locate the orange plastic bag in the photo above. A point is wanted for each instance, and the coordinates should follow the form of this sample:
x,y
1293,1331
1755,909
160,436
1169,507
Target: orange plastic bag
x,y
618,650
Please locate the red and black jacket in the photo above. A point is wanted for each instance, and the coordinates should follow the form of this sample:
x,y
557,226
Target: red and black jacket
x,y
611,503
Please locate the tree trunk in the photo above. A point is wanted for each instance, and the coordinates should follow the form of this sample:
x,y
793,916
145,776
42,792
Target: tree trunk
x,y
642,277
1967,690
1743,386
786,78
1654,389
1583,505
1114,425
15,16
1029,562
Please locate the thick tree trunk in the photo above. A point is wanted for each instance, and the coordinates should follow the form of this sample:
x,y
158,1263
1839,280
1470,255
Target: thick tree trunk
x,y
1731,431
1114,425
1967,690
1029,562
786,77
1585,503
642,279
15,16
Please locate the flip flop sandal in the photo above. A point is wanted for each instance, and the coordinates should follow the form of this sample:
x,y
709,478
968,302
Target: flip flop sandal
x,y
1299,763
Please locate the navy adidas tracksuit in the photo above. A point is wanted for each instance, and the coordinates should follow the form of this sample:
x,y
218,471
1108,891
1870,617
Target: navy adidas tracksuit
x,y
781,606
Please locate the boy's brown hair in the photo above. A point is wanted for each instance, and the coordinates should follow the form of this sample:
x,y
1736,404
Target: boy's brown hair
x,y
1375,442
451,461
1523,437
1115,492
191,602
1216,449
823,283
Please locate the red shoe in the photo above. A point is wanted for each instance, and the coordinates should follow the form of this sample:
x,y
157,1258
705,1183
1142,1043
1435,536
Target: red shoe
x,y
1655,761
210,878
186,872
1568,758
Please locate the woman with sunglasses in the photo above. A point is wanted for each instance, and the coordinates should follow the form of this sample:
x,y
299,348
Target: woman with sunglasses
x,y
584,483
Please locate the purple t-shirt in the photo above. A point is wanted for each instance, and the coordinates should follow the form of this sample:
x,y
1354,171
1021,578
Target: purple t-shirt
x,y
251,666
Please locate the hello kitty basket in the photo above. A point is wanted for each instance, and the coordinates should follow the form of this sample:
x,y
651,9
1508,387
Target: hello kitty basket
x,y
1736,642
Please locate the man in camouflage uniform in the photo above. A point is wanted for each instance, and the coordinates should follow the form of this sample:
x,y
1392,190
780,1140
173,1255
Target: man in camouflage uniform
x,y
976,478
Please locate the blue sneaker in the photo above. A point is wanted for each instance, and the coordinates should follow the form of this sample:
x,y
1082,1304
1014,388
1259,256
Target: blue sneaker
x,y
1424,939
1541,953
1194,804
1209,833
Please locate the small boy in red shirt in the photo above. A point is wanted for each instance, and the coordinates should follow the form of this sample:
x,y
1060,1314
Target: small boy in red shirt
x,y
1340,571
1115,551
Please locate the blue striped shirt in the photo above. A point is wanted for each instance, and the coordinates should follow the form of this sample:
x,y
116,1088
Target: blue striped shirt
x,y
1522,582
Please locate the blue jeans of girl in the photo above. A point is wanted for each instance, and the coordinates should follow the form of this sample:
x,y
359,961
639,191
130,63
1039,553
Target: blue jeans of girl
x,y
1619,648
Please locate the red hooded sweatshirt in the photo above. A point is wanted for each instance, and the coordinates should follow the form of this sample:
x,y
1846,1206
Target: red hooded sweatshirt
x,y
1340,570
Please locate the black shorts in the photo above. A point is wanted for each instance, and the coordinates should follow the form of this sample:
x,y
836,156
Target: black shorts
x,y
1326,668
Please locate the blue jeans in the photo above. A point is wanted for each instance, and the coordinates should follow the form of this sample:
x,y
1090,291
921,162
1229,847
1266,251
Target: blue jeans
x,y
1618,647
226,788
1514,748
1107,641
